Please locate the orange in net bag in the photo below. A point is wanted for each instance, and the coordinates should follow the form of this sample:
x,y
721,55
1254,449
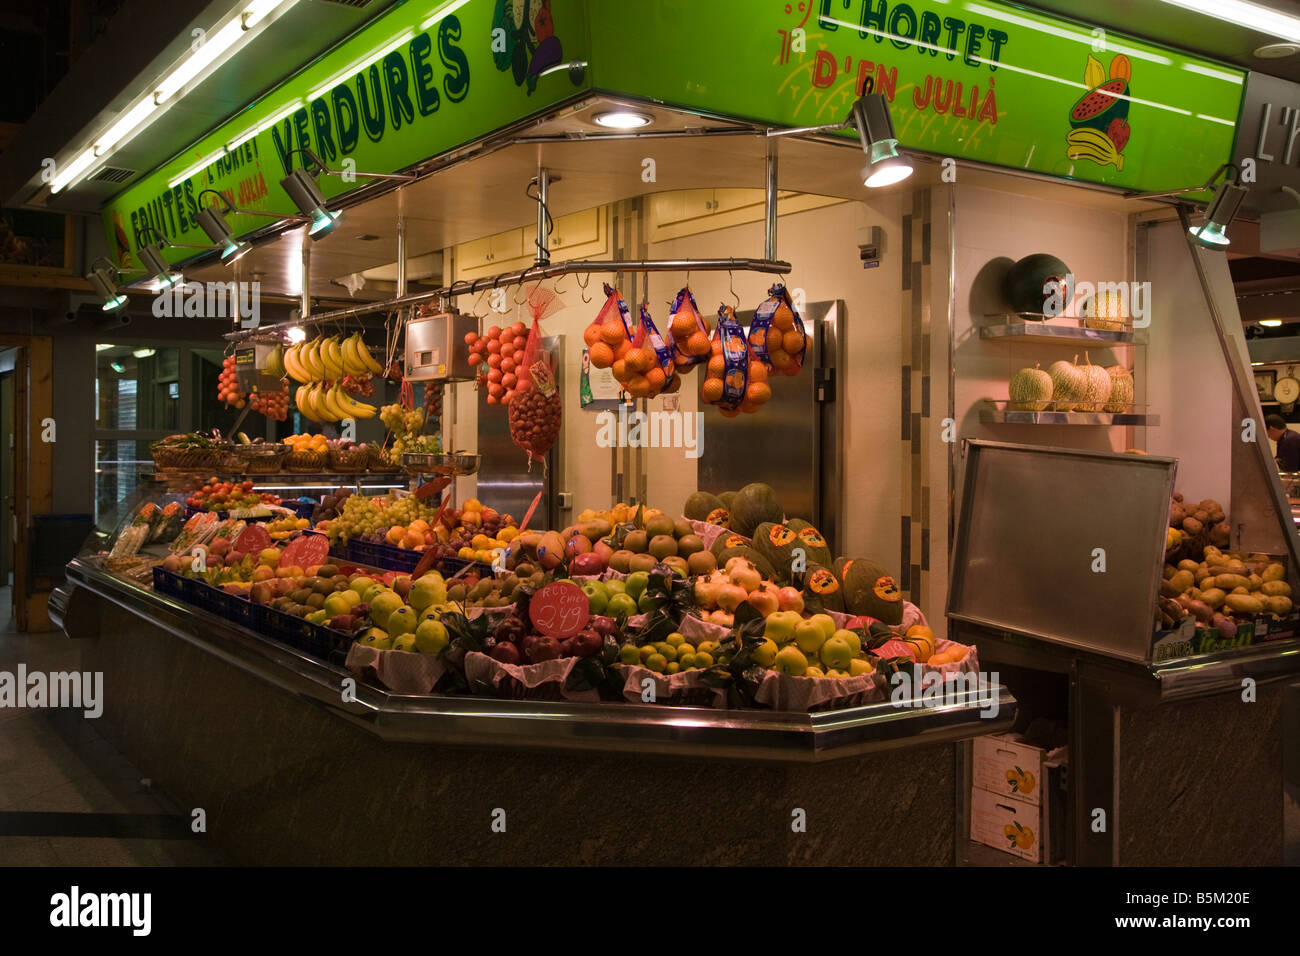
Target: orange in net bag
x,y
776,335
689,331
533,411
609,336
735,378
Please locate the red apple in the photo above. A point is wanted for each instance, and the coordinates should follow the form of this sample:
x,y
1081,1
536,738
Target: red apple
x,y
589,562
587,643
545,648
506,653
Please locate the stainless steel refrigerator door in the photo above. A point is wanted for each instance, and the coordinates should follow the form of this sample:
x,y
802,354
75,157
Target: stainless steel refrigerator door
x,y
792,442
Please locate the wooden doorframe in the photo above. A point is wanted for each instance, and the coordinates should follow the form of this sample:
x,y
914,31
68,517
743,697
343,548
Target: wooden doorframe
x,y
33,466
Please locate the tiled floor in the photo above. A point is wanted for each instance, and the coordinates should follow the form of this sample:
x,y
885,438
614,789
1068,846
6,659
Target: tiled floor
x,y
67,797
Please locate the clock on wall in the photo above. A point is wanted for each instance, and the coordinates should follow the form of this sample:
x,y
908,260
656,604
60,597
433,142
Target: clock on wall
x,y
1287,390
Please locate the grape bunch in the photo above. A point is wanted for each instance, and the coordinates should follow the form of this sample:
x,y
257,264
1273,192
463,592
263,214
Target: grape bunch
x,y
228,384
503,350
433,399
274,405
406,425
360,385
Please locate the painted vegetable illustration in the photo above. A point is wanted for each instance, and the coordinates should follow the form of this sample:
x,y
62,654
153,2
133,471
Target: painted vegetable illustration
x,y
1099,120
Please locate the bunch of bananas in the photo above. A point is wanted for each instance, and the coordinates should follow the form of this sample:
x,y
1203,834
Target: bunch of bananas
x,y
320,365
1094,145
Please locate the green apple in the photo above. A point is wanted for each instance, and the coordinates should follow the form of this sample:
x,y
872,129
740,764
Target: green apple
x,y
630,654
826,621
780,626
620,606
765,653
597,596
359,583
645,604
431,637
377,639
383,604
405,642
809,636
430,590
790,660
402,621
852,638
372,591
615,586
319,616
836,652
636,583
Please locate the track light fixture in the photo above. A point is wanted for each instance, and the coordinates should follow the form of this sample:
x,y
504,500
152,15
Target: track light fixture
x,y
1228,196
103,277
306,195
213,222
885,164
154,262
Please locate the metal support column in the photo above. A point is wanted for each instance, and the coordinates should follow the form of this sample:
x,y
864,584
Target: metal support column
x,y
770,200
543,257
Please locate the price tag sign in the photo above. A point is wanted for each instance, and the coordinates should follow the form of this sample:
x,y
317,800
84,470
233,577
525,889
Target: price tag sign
x,y
559,610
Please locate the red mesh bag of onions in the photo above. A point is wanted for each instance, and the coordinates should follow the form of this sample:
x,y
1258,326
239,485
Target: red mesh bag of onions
x,y
534,410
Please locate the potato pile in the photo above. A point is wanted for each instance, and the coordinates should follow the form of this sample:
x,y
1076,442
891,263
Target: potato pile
x,y
1195,527
1221,585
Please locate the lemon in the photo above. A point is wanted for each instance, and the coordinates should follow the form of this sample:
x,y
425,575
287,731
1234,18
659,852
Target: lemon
x,y
687,660
675,639
630,654
674,667
703,659
657,662
646,651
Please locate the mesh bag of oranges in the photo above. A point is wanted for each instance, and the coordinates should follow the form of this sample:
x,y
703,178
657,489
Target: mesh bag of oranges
x,y
641,361
735,379
776,335
689,332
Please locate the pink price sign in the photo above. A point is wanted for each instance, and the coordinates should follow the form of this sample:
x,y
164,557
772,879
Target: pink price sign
x,y
559,610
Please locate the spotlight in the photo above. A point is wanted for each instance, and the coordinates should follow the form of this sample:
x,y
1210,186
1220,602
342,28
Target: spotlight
x,y
103,278
306,195
152,257
885,164
1271,323
622,119
1223,209
143,353
213,222
297,334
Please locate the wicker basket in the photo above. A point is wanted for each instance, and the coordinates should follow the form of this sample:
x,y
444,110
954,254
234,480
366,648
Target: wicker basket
x,y
261,459
377,460
306,461
192,459
353,460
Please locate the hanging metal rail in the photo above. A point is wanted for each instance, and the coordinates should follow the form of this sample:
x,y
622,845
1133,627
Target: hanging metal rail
x,y
532,273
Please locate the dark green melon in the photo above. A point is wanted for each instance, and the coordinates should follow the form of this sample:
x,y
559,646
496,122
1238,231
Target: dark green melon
x,y
754,504
699,504
869,589
1022,286
776,542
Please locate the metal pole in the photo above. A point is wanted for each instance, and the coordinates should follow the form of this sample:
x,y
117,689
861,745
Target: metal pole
x,y
401,243
305,309
543,257
536,273
770,198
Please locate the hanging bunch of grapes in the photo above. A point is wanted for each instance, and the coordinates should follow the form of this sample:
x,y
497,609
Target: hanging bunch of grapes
x,y
228,384
433,399
360,385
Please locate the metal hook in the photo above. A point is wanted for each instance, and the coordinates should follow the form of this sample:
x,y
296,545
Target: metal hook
x,y
556,288
583,287
520,288
731,281
478,302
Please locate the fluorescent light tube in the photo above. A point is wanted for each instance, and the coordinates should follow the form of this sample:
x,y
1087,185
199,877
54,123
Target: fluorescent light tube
x,y
1249,15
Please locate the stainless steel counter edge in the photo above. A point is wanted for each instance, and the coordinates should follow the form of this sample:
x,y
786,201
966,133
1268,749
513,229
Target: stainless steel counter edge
x,y
480,721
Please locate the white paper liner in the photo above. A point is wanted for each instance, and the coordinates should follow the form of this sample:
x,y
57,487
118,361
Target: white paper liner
x,y
683,689
710,533
804,694
402,672
544,681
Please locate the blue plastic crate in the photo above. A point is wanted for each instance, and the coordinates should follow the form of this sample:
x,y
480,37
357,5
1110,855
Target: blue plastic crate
x,y
168,582
300,634
228,606
303,509
449,566
386,556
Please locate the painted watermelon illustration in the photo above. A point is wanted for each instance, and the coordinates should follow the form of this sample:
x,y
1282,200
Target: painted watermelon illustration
x,y
1101,106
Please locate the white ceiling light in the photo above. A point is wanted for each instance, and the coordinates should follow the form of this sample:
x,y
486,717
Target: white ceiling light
x,y
622,119
143,353
215,47
1249,15
1270,323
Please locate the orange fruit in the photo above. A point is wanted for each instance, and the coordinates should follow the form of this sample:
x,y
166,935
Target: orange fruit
x,y
639,359
619,368
683,324
698,344
783,320
711,390
623,347
657,379
757,372
612,331
758,392
638,386
602,356
592,334
779,359
774,339
717,365
793,341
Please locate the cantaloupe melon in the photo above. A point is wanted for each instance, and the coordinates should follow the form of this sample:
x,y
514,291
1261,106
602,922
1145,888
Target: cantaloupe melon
x,y
1067,385
1121,389
1030,390
1096,387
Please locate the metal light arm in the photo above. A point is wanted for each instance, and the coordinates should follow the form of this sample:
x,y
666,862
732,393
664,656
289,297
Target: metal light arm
x,y
228,207
320,164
